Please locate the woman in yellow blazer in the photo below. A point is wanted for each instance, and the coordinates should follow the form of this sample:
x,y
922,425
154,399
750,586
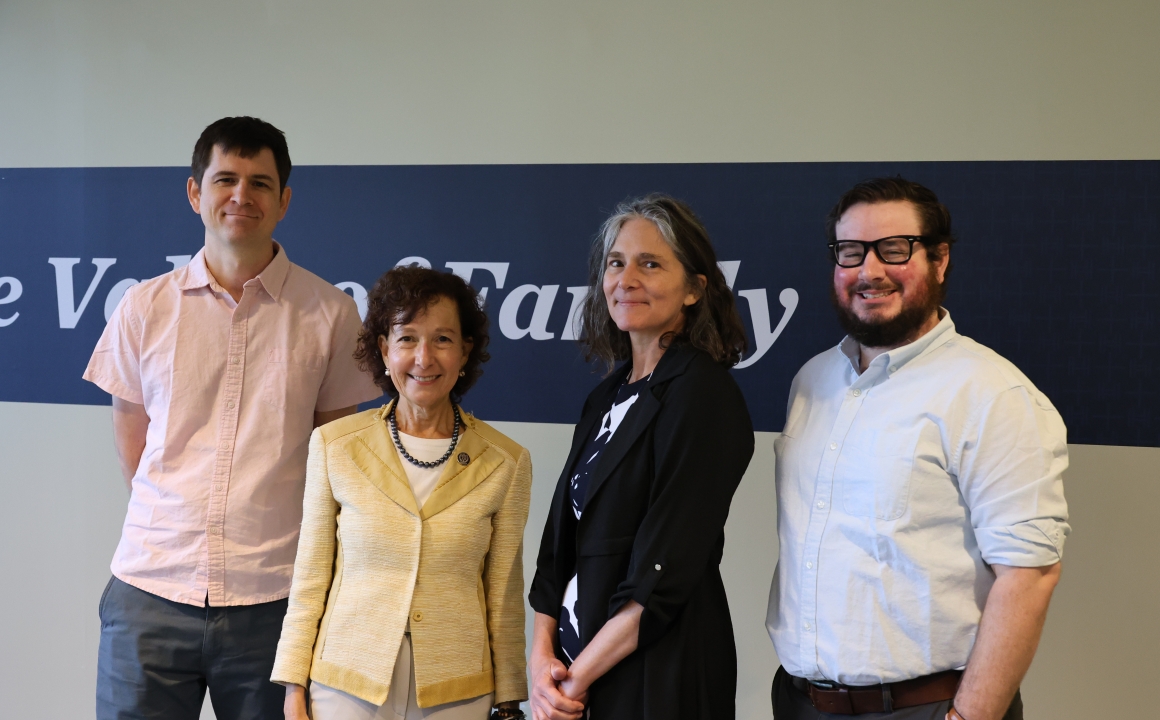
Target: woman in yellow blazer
x,y
407,598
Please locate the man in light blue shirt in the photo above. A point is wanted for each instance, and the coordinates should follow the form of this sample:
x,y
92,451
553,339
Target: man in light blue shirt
x,y
921,514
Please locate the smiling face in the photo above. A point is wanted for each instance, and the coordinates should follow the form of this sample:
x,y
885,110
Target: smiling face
x,y
880,305
645,285
238,198
425,355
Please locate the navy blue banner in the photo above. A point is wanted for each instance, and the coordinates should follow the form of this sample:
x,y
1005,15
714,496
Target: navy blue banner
x,y
1056,268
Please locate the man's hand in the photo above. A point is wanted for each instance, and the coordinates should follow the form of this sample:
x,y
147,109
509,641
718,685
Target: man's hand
x,y
295,705
130,424
1008,636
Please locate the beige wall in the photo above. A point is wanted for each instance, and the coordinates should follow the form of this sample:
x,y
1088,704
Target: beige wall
x,y
533,81
132,83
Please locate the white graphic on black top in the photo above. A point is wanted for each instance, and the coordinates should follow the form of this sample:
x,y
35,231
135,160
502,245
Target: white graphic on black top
x,y
626,396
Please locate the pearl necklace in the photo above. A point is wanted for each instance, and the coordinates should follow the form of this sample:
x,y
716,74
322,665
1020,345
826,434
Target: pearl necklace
x,y
407,455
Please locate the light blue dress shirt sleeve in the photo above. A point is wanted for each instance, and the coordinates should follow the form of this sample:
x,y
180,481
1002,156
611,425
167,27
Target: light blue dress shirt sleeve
x,y
1010,469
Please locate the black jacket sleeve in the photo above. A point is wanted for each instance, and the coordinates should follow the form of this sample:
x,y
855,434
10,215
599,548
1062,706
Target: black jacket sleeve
x,y
702,445
544,596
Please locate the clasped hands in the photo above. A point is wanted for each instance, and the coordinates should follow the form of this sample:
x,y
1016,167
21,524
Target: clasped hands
x,y
557,694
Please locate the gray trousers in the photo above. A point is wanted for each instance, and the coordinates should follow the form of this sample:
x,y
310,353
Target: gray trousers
x,y
789,703
157,658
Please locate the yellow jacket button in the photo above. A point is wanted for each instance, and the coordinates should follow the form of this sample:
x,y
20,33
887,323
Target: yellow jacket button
x,y
417,617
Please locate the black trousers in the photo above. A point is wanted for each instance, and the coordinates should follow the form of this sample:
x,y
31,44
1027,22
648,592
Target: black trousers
x,y
157,658
789,703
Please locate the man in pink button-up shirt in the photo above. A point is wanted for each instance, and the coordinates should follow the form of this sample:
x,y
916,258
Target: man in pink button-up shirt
x,y
219,371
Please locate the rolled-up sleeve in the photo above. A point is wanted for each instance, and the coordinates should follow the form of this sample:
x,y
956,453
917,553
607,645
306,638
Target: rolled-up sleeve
x,y
1011,466
703,444
313,571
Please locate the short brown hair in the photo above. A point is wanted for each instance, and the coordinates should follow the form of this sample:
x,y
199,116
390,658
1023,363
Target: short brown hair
x,y
399,295
933,217
245,136
712,324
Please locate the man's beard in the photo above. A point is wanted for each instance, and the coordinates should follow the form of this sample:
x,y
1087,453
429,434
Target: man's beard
x,y
897,330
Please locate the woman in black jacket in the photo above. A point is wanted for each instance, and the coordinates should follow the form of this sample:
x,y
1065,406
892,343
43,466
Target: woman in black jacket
x,y
631,616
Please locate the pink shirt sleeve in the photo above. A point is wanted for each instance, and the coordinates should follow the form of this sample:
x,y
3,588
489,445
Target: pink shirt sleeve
x,y
344,384
115,366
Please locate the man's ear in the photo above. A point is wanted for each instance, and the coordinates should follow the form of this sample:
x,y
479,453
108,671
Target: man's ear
x,y
284,203
943,262
193,190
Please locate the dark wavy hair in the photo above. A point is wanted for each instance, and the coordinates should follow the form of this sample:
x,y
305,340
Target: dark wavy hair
x,y
399,295
711,324
933,217
245,136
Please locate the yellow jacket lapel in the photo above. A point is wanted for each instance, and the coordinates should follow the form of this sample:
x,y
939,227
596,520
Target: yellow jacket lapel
x,y
373,451
458,478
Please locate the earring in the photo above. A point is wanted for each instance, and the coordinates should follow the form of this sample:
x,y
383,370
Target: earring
x,y
462,373
387,371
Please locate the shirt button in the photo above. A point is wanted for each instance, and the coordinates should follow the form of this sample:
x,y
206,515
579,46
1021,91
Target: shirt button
x,y
215,530
806,626
857,393
416,616
234,360
893,368
821,504
833,446
225,446
809,565
658,567
230,404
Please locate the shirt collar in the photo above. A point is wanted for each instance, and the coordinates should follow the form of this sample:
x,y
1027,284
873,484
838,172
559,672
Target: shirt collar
x,y
273,278
196,274
939,335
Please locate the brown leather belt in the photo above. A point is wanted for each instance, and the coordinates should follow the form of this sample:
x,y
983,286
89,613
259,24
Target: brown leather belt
x,y
857,699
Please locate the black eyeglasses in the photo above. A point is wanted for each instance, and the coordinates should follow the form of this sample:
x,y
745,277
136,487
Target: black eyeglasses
x,y
893,250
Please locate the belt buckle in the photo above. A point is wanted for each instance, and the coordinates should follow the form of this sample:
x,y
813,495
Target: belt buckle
x,y
823,684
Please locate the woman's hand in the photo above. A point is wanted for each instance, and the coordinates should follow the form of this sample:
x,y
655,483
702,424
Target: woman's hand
x,y
295,705
574,688
547,701
615,641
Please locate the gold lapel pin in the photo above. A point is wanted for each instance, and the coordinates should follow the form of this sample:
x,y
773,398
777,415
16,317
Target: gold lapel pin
x,y
463,458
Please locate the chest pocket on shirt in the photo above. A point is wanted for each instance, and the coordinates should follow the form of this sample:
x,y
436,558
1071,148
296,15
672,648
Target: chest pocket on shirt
x,y
292,379
875,474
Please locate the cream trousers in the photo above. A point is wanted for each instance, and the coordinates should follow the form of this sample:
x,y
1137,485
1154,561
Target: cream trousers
x,y
326,703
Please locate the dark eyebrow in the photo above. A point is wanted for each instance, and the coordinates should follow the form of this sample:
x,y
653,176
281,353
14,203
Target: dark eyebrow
x,y
411,328
232,174
650,256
